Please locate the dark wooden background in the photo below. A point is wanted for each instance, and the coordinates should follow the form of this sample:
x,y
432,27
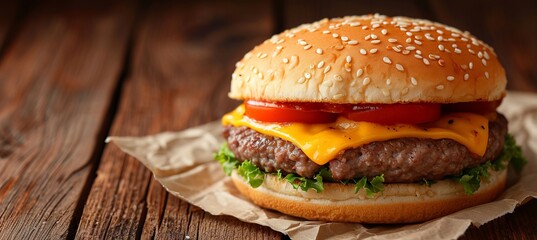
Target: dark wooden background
x,y
72,73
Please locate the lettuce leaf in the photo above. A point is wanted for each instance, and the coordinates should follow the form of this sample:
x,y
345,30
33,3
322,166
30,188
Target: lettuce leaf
x,y
371,187
251,174
227,159
511,153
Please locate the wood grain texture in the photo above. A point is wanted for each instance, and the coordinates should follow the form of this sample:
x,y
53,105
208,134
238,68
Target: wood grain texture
x,y
183,57
8,12
297,12
56,84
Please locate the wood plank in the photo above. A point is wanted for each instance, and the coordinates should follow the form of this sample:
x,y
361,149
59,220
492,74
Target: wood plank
x,y
182,62
57,79
297,12
8,11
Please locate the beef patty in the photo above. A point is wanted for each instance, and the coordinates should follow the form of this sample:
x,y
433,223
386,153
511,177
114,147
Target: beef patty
x,y
400,160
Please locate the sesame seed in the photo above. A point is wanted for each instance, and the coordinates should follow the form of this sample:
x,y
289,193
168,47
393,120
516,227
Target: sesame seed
x,y
307,47
409,34
279,47
388,82
439,87
425,61
441,62
373,36
280,41
363,51
466,76
375,41
428,36
471,51
387,60
439,31
458,51
320,64
408,40
348,59
307,75
418,56
367,37
354,24
338,96
413,81
486,55
396,49
384,31
454,45
319,51
352,42
335,35
479,54
418,52
264,55
359,72
450,78
302,42
373,50
410,48
392,40
417,42
487,75
285,60
471,65
439,38
441,47
326,69
399,67
417,37
365,81
301,80
256,71
405,52
344,38
484,62
326,32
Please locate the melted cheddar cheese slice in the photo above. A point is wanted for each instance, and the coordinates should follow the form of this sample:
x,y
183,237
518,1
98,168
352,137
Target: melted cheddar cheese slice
x,y
322,142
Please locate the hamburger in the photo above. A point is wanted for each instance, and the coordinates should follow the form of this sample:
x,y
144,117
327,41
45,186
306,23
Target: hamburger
x,y
369,119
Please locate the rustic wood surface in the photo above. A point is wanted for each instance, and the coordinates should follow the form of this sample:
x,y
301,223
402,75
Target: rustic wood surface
x,y
73,73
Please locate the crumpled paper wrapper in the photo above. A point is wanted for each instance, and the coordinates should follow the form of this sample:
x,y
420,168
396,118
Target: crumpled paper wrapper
x,y
183,163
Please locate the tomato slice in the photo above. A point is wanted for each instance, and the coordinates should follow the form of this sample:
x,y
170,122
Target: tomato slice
x,y
287,112
475,107
411,113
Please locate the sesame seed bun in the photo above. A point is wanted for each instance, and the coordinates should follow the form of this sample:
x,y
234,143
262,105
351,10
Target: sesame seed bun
x,y
398,203
370,59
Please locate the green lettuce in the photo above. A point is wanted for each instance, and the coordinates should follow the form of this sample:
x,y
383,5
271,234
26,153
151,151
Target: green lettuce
x,y
251,174
371,187
306,184
511,153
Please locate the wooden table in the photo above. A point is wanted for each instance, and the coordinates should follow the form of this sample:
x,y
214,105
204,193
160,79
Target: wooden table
x,y
73,73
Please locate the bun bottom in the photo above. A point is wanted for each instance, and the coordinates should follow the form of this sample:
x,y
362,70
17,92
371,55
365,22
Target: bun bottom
x,y
398,203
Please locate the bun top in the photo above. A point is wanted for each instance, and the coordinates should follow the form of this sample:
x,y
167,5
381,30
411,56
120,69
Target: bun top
x,y
370,59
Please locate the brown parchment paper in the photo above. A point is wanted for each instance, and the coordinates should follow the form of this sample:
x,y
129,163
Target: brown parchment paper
x,y
183,163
